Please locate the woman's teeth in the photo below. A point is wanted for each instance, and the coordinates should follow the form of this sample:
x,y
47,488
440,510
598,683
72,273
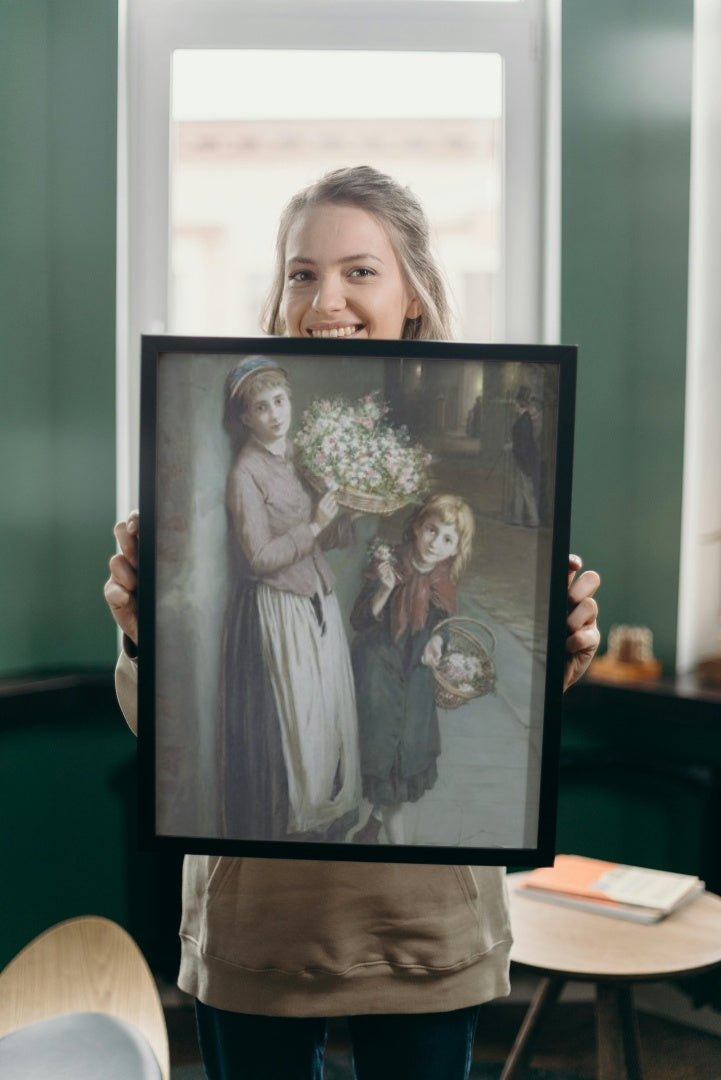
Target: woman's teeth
x,y
336,332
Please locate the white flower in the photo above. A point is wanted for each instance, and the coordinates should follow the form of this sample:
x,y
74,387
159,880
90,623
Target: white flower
x,y
357,446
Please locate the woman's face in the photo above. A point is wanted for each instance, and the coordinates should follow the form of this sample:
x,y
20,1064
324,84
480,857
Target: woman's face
x,y
268,415
435,540
342,277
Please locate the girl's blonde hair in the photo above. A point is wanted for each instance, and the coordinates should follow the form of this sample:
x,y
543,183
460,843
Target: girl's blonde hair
x,y
451,510
401,214
239,398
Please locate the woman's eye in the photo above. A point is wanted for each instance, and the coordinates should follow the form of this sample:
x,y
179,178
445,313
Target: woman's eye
x,y
362,272
300,276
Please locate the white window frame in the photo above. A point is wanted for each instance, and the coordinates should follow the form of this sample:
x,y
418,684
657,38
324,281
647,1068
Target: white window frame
x,y
525,34
699,597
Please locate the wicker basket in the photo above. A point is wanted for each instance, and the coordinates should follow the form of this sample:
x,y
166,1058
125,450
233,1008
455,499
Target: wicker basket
x,y
472,638
351,499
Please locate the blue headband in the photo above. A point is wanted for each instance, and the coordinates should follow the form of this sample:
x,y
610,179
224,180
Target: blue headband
x,y
248,367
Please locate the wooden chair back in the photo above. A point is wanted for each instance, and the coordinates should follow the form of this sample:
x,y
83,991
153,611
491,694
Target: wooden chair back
x,y
87,964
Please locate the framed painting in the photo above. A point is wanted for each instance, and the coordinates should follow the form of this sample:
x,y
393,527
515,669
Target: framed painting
x,y
352,597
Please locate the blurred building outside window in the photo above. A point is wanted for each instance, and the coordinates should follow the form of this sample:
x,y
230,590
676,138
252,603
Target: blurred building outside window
x,y
239,152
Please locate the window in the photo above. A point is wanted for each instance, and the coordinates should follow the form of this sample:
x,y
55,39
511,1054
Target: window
x,y
447,95
237,155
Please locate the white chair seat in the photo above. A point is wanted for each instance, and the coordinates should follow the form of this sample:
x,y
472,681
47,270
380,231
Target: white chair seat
x,y
80,1002
78,1046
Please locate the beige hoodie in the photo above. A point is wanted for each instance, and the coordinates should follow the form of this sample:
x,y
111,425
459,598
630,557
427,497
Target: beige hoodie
x,y
284,937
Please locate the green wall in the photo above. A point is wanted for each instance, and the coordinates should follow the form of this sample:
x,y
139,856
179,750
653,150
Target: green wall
x,y
69,805
626,146
67,761
626,137
58,73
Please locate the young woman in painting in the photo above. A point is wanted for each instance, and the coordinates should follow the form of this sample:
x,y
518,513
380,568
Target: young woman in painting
x,y
409,590
288,709
271,948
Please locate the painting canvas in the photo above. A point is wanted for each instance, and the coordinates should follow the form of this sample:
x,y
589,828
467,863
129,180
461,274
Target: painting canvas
x,y
352,597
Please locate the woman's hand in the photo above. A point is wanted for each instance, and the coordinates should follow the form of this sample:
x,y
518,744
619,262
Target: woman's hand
x,y
582,633
121,587
433,651
325,511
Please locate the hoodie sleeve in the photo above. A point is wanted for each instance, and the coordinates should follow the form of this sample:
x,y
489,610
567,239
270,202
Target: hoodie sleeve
x,y
126,688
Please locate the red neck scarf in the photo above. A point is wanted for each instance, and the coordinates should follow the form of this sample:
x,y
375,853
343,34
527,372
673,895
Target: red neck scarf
x,y
412,598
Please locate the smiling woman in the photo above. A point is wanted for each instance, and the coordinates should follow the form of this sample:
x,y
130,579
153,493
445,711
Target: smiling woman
x,y
331,290
353,259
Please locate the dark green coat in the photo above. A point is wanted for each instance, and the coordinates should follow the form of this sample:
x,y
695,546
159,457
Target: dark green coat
x,y
397,717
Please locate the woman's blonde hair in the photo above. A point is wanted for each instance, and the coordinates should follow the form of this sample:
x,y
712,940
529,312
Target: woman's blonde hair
x,y
402,216
451,510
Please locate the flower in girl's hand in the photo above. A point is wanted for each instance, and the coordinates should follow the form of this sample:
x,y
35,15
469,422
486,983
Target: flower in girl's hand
x,y
381,552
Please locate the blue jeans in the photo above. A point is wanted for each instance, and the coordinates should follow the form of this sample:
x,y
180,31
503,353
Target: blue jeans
x,y
414,1046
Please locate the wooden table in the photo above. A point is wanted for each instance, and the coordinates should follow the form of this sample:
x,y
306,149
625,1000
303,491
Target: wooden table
x,y
563,944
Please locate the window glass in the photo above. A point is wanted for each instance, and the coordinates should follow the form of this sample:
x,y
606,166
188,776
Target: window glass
x,y
251,127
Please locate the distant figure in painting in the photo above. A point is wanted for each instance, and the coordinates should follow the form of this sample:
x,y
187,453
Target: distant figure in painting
x,y
525,509
409,590
473,419
289,740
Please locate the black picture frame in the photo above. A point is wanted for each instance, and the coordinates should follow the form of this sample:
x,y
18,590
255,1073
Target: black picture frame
x,y
488,797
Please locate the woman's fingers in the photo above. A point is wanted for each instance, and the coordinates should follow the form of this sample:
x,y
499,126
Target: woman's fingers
x,y
582,590
123,607
126,534
121,587
582,633
123,573
575,563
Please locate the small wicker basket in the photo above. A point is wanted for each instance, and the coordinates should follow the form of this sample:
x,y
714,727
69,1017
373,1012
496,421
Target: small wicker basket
x,y
351,499
472,638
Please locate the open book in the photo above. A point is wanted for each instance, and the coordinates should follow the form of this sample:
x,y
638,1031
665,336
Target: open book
x,y
608,888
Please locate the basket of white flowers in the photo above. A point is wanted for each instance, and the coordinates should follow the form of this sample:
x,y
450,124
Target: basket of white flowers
x,y
353,450
466,669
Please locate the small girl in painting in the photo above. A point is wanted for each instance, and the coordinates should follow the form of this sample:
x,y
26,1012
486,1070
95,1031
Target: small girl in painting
x,y
408,591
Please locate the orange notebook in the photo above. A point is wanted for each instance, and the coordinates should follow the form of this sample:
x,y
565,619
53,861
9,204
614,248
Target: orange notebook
x,y
632,892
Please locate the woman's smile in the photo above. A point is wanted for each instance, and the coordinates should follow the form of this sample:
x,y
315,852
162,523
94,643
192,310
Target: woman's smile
x,y
335,331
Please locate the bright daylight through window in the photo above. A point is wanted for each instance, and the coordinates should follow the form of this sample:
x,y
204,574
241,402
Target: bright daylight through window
x,y
252,127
